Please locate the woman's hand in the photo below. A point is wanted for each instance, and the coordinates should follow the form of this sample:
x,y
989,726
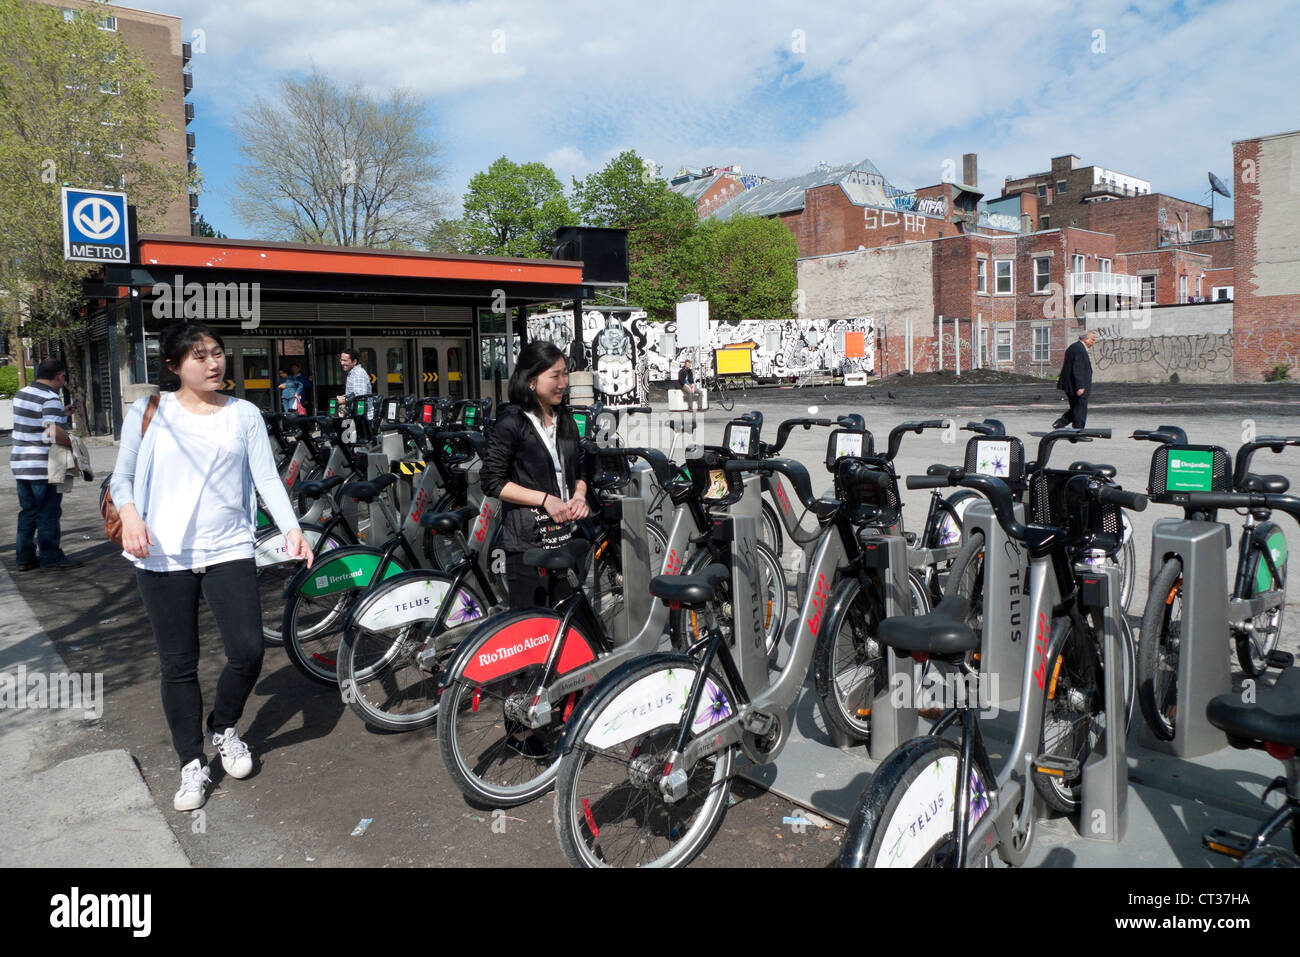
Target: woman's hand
x,y
558,510
136,537
297,547
578,509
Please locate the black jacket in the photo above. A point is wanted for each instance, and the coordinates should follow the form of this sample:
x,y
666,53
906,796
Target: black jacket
x,y
685,375
1076,370
516,453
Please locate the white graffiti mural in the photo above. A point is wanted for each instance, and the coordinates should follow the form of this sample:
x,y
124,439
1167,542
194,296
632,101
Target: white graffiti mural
x,y
627,351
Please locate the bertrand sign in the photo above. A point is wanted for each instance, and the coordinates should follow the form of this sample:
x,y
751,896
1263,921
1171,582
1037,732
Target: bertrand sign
x,y
95,226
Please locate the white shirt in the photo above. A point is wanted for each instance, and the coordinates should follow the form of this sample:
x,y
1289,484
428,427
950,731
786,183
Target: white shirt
x,y
197,512
548,439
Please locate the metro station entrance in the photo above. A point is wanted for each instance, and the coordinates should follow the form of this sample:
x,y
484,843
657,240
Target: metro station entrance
x,y
443,367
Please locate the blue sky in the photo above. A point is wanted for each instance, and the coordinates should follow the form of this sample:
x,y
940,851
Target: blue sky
x,y
1153,90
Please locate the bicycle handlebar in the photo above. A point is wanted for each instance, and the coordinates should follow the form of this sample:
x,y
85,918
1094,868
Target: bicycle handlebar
x,y
664,470
794,471
1165,435
1274,443
785,428
1206,501
897,432
1110,495
993,427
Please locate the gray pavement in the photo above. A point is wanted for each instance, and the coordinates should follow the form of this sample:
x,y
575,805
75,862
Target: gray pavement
x,y
320,772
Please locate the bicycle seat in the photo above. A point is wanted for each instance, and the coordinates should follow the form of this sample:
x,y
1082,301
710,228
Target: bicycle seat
x,y
369,491
317,489
449,523
1081,466
567,556
1273,718
1271,484
942,633
690,589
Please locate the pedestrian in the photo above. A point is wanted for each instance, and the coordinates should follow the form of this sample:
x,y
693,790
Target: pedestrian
x,y
686,382
358,380
40,418
535,465
187,495
304,393
290,389
1076,381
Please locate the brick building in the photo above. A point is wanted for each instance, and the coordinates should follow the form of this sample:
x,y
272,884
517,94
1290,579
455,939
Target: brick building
x,y
1267,264
158,39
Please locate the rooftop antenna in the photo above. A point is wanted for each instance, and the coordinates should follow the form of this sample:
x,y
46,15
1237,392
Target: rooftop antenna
x,y
1217,186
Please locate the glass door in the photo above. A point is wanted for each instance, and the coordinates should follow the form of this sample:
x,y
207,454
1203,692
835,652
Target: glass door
x,y
442,367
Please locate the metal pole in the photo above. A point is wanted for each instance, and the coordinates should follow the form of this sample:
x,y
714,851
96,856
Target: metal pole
x,y
956,343
940,343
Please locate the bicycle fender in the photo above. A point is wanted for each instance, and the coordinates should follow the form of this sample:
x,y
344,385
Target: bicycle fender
x,y
1269,537
864,820
464,651
515,642
269,548
409,597
341,568
591,703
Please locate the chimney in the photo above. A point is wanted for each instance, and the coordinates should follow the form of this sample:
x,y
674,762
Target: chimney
x,y
969,170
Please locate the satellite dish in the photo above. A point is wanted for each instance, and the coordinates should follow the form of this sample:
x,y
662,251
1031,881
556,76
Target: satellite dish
x,y
1219,186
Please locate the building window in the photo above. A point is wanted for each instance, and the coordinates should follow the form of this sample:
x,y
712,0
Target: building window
x,y
1078,264
982,276
1182,288
108,23
1222,294
984,347
1042,273
1002,272
1003,340
110,86
69,14
1103,266
1044,222
1061,186
1042,189
1148,288
1042,343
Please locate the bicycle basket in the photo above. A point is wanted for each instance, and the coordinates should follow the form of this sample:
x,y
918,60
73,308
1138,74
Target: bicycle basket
x,y
1047,506
874,503
1188,468
998,456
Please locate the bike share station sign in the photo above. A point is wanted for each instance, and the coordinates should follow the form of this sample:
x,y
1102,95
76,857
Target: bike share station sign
x,y
95,226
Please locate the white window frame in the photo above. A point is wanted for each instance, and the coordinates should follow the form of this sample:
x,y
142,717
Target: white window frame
x,y
1043,348
982,277
1011,277
1042,190
1145,282
1062,186
69,15
1103,266
1078,264
111,87
1214,293
998,344
108,23
1182,289
1041,282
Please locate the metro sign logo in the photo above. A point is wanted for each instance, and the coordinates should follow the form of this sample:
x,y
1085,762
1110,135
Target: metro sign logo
x,y
95,226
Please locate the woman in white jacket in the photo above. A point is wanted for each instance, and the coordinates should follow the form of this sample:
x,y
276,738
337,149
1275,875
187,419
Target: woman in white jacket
x,y
187,495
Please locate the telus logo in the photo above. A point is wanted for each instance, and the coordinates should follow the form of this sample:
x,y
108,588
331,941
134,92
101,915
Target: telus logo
x,y
75,910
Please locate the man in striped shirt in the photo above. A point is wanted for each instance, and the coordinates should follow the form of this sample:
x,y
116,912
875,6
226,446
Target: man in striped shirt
x,y
358,381
39,503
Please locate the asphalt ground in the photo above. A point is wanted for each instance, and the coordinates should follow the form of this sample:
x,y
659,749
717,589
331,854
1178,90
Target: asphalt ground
x,y
320,771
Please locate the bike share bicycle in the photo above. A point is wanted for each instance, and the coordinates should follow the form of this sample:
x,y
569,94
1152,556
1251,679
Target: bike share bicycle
x,y
939,803
648,755
1180,663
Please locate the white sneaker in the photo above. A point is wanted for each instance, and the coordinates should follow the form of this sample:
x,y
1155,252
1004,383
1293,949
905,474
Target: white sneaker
x,y
235,756
194,787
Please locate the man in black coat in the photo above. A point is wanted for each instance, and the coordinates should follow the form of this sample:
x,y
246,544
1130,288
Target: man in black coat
x,y
686,382
1076,381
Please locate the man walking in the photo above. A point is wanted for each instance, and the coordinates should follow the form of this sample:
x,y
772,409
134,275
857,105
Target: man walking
x,y
1076,381
40,505
690,391
358,380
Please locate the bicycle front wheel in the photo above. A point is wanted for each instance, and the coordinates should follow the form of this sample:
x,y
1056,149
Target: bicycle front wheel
x,y
725,398
1074,713
905,817
609,811
1157,659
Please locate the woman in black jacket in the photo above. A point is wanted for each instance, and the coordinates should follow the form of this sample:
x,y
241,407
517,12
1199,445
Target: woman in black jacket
x,y
535,465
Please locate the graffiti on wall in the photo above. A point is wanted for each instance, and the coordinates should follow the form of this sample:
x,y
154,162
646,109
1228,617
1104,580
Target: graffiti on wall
x,y
628,352
1207,353
882,218
1269,353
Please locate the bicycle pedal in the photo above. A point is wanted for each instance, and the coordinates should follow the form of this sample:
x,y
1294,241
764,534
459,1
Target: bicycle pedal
x,y
1231,843
1066,769
1281,660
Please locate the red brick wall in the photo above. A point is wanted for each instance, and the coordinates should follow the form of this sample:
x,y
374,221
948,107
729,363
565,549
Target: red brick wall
x,y
1217,277
1169,263
829,223
1135,221
1266,328
725,189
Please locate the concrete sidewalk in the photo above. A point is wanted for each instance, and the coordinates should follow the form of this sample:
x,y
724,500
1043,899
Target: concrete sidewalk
x,y
88,811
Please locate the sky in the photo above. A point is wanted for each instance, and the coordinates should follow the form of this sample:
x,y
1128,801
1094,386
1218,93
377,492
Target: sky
x,y
1153,90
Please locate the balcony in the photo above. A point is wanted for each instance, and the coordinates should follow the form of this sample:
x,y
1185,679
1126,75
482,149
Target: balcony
x,y
194,200
1108,190
1113,284
189,81
189,113
187,51
189,141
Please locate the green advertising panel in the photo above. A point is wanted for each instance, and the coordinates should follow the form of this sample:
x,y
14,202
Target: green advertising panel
x,y
1189,471
346,571
581,419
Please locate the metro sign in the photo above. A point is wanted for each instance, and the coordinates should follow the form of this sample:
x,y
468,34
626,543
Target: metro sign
x,y
95,226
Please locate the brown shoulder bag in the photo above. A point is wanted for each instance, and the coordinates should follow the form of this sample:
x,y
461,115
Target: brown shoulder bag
x,y
113,521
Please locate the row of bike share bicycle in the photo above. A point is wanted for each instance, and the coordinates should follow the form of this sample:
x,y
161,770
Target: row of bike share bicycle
x,y
638,705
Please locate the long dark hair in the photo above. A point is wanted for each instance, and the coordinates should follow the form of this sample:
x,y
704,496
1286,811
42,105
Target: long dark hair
x,y
178,341
534,359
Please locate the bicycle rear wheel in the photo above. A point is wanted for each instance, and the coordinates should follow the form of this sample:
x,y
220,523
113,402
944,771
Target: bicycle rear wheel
x,y
725,398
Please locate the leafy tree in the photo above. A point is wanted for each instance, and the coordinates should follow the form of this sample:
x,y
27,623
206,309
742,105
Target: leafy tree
x,y
77,108
447,236
513,209
747,267
339,167
623,194
207,231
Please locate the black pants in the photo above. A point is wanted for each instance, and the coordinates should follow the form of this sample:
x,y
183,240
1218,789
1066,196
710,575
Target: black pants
x,y
171,600
1077,414
531,587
